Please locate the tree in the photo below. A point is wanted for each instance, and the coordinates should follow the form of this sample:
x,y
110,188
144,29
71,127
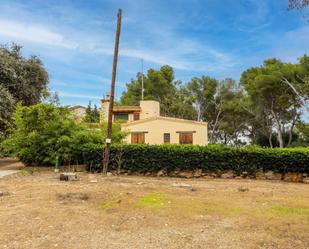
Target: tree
x,y
274,100
7,106
26,79
298,4
92,114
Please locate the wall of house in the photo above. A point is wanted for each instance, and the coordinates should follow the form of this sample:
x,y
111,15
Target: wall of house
x,y
156,128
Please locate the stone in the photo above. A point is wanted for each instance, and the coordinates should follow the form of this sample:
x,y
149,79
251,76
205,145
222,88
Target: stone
x,y
109,174
259,175
228,175
186,174
306,180
270,175
69,177
293,177
160,173
198,173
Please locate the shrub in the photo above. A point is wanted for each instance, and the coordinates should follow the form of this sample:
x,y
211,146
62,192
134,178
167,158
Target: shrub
x,y
44,132
212,158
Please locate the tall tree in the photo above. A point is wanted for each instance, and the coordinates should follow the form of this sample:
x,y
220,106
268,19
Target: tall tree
x,y
7,107
25,78
276,100
159,85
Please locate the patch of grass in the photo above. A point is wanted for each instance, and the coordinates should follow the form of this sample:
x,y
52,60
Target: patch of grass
x,y
290,211
154,200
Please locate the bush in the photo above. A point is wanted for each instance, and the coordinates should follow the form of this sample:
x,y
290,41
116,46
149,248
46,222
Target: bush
x,y
44,132
212,158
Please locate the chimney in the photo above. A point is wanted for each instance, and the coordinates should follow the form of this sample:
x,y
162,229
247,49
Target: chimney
x,y
104,108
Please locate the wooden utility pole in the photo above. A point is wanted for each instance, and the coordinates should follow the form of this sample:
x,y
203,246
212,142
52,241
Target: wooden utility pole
x,y
108,141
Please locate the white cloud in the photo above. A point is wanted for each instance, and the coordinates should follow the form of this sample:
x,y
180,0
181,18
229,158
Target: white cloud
x,y
33,33
80,96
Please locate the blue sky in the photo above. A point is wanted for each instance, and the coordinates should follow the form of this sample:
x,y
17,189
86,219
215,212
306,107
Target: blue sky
x,y
75,39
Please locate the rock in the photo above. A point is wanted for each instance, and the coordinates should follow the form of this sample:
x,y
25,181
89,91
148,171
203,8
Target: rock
x,y
198,173
239,177
109,174
228,175
69,177
186,174
270,175
259,175
293,177
306,180
160,173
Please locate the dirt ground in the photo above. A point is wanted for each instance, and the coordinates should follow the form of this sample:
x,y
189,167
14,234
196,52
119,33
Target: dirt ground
x,y
39,211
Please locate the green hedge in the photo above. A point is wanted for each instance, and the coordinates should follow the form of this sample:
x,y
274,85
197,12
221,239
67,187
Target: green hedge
x,y
212,158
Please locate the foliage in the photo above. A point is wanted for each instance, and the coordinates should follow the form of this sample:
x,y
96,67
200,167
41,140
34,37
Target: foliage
x,y
7,106
271,88
25,78
92,114
44,132
160,85
213,158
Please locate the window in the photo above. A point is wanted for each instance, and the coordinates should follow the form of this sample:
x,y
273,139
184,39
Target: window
x,y
121,116
186,137
136,116
167,138
138,137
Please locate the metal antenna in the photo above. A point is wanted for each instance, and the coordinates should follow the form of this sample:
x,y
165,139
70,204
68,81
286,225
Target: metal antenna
x,y
142,79
108,141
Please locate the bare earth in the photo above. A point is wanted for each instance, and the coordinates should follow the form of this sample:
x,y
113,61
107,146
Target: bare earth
x,y
39,211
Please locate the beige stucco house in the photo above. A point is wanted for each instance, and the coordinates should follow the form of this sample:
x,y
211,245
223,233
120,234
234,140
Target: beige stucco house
x,y
145,125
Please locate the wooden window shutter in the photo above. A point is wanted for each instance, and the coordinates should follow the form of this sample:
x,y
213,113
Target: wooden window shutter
x,y
137,137
185,137
136,116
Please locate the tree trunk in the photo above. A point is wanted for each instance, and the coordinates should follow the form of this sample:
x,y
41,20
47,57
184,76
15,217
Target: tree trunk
x,y
280,139
270,139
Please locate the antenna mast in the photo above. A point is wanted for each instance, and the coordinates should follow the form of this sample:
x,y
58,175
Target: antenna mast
x,y
142,79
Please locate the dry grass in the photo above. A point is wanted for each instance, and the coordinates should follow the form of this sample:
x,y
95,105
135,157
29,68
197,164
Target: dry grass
x,y
39,211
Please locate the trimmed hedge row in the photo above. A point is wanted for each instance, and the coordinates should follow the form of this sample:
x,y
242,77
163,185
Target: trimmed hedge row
x,y
212,158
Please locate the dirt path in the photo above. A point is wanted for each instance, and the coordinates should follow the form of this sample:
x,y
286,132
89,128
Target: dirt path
x,y
39,211
9,166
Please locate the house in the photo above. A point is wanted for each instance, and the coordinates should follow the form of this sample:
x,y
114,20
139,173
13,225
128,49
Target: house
x,y
78,111
145,125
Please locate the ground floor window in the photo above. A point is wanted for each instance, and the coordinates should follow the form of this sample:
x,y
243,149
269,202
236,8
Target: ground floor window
x,y
138,137
185,137
167,138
